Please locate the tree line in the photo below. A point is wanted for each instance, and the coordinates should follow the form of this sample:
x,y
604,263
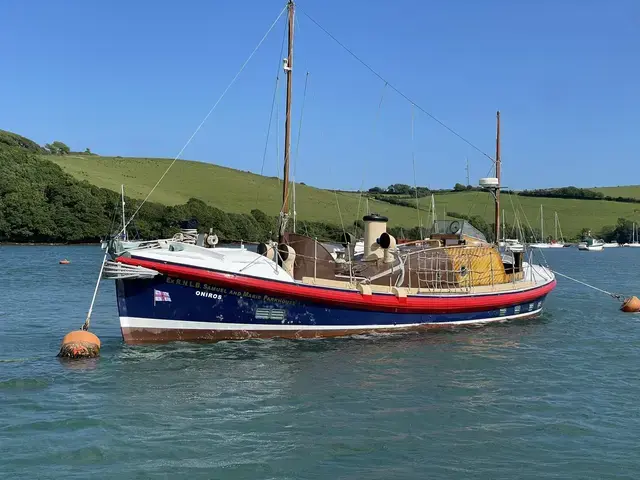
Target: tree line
x,y
401,189
408,190
40,203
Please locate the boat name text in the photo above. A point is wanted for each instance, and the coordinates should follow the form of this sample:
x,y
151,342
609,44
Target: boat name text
x,y
211,291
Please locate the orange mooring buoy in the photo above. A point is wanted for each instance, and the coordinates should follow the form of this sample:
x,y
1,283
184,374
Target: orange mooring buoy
x,y
80,344
631,304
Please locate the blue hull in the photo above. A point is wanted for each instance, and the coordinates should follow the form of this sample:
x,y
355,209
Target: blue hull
x,y
162,309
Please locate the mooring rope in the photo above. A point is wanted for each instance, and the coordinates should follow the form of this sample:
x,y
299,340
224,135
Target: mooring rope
x,y
614,295
87,321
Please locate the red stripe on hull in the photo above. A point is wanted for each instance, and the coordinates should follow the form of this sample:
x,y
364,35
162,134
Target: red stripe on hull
x,y
348,299
138,336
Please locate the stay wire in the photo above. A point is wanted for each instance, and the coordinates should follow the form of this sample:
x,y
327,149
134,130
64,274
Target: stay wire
x,y
273,105
95,291
395,89
206,116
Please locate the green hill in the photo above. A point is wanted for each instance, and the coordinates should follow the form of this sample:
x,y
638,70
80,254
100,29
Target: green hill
x,y
573,215
630,191
41,192
224,188
240,192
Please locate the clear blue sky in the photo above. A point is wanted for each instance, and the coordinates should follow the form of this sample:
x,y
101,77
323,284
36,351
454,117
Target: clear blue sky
x,y
135,78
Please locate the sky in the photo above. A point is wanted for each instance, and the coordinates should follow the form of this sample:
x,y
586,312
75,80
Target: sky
x,y
137,78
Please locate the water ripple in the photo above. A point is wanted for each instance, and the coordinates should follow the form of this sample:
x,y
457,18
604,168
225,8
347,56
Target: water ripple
x,y
553,398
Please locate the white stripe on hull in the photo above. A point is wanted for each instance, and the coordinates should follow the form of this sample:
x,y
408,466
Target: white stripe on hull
x,y
157,324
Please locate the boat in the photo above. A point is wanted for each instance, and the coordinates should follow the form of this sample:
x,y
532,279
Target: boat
x,y
124,236
292,287
512,245
541,243
509,244
554,242
64,262
634,238
590,244
611,245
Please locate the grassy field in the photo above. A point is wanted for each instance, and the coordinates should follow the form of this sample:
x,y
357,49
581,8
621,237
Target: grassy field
x,y
236,191
631,191
573,215
227,189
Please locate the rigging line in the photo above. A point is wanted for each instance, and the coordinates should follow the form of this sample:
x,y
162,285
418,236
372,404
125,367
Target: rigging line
x,y
304,97
515,213
339,212
207,115
266,143
524,214
364,170
344,232
295,158
395,89
273,100
475,197
273,104
278,142
415,182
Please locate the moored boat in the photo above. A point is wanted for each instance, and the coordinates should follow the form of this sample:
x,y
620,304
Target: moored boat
x,y
294,287
590,244
512,245
190,292
634,238
555,243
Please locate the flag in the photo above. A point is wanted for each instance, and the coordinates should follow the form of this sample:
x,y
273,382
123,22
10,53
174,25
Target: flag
x,y
160,296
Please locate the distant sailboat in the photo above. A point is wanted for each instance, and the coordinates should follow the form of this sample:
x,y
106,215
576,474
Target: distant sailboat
x,y
541,243
123,235
510,244
555,243
634,237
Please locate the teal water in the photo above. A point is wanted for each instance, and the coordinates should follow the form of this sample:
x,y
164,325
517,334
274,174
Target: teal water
x,y
553,398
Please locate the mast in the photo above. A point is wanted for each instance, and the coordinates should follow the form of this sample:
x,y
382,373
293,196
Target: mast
x,y
497,215
467,169
288,65
124,222
293,186
434,216
541,225
555,226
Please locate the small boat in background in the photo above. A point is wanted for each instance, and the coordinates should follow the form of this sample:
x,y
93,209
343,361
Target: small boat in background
x,y
634,238
591,244
554,243
64,262
512,245
611,245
